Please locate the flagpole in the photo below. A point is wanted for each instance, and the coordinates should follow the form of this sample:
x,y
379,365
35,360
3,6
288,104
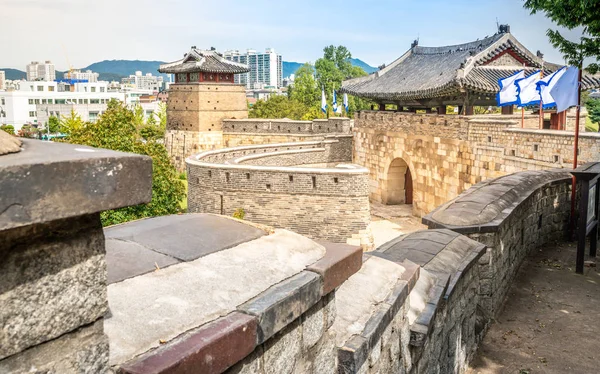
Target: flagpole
x,y
541,103
575,150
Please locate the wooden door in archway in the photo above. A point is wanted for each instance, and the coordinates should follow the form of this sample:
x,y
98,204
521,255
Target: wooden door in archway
x,y
408,187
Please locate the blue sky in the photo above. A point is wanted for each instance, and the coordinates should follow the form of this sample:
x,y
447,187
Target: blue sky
x,y
375,31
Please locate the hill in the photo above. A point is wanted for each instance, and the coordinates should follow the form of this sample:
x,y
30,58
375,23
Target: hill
x,y
361,64
114,70
124,68
13,74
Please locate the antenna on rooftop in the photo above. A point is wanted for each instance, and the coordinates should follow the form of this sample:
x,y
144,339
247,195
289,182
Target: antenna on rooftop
x,y
497,24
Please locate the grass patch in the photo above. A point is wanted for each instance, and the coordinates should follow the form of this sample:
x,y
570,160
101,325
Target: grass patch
x,y
590,126
183,202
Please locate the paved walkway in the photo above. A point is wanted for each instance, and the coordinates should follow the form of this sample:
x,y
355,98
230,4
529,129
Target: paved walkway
x,y
551,320
390,221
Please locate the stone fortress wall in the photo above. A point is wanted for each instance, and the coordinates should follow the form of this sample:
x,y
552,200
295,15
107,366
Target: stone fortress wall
x,y
448,154
269,183
419,304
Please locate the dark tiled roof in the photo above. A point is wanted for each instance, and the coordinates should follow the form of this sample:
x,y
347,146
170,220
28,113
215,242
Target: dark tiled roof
x,y
430,72
198,60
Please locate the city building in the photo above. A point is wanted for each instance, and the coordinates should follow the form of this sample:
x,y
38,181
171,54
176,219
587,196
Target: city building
x,y
37,71
2,80
266,68
204,93
144,82
32,102
78,75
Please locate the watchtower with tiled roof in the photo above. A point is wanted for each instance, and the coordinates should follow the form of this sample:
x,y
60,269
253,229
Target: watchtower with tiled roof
x,y
464,75
202,96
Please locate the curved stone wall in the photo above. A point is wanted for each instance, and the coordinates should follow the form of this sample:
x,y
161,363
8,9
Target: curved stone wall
x,y
325,199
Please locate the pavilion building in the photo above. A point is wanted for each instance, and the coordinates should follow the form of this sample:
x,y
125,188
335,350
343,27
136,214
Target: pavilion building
x,y
464,75
204,93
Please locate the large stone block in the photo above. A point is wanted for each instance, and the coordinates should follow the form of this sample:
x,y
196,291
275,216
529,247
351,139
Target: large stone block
x,y
84,350
52,280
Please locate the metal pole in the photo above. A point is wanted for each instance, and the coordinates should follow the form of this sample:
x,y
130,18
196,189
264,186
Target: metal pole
x,y
575,151
541,104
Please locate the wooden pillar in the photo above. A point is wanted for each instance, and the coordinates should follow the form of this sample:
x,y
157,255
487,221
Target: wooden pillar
x,y
507,109
381,106
469,110
441,109
428,110
460,109
187,76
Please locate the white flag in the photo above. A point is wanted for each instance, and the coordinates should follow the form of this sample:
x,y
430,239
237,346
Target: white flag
x,y
527,90
323,101
546,84
566,90
346,102
335,106
508,89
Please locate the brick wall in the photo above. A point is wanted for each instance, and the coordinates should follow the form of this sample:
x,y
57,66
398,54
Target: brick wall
x,y
328,203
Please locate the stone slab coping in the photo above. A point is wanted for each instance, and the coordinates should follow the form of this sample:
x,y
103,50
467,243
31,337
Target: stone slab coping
x,y
141,246
242,159
587,171
445,256
197,160
484,207
210,312
563,133
47,181
379,290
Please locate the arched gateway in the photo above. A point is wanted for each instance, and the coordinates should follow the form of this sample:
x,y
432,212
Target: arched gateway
x,y
399,184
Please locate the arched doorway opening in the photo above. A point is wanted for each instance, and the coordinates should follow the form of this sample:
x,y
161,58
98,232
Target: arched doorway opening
x,y
399,184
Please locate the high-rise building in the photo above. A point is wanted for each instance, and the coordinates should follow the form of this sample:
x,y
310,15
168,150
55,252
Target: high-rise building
x,y
265,68
2,80
41,72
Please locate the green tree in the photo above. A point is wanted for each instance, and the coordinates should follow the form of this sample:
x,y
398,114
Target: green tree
x,y
116,129
8,128
71,123
305,89
278,107
54,124
593,108
335,67
572,14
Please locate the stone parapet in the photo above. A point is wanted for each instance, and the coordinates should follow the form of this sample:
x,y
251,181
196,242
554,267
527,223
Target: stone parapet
x,y
511,215
264,305
272,185
53,271
260,126
396,315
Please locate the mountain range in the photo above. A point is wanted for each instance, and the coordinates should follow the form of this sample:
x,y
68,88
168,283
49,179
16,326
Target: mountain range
x,y
110,70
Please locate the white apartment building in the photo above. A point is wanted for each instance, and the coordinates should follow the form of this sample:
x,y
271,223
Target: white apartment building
x,y
266,69
87,75
41,72
2,80
19,106
144,82
88,111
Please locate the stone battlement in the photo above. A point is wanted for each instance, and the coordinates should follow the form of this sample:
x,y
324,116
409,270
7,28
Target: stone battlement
x,y
287,185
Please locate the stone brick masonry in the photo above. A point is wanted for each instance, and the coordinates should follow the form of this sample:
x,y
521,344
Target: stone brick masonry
x,y
327,203
448,154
